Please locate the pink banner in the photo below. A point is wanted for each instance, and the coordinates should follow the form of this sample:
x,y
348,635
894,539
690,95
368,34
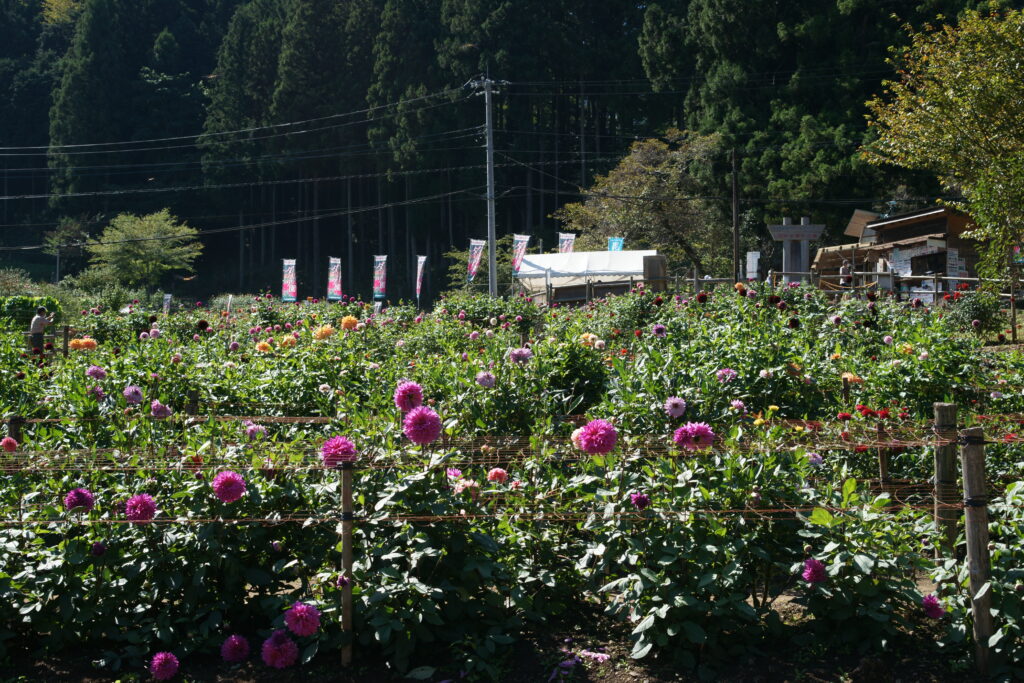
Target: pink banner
x,y
519,244
380,276
333,279
566,240
476,251
289,289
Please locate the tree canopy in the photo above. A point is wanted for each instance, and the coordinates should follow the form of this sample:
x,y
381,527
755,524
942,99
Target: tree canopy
x,y
957,109
139,250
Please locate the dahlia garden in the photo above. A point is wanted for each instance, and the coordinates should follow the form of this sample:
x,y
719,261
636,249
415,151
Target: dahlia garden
x,y
172,489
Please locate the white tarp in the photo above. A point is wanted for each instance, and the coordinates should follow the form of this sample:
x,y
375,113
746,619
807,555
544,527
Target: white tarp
x,y
562,270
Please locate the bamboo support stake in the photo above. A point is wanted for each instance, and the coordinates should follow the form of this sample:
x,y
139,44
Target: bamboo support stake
x,y
347,514
883,461
945,478
972,461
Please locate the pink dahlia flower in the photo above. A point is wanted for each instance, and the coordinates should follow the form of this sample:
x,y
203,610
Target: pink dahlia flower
x,y
485,379
228,486
422,425
234,649
598,437
932,608
163,666
337,450
279,651
79,498
159,410
140,508
302,619
498,475
814,571
694,436
408,395
675,406
9,444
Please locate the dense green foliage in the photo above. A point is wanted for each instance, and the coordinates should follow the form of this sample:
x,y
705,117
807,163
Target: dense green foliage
x,y
695,572
378,120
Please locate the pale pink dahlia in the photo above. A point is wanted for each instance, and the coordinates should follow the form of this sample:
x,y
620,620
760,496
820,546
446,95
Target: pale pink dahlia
x,y
498,475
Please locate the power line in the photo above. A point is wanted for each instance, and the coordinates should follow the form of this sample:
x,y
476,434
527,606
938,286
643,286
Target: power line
x,y
272,126
255,226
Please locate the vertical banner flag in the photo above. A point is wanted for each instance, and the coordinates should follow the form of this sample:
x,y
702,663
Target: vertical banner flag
x,y
519,244
565,242
420,260
167,304
380,276
333,279
476,250
615,243
288,287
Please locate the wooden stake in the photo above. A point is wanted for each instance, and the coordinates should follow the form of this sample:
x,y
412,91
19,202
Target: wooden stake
x,y
972,461
347,512
846,392
883,461
192,406
14,427
945,478
67,339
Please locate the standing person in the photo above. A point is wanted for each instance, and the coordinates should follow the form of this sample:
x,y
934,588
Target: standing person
x,y
845,274
38,325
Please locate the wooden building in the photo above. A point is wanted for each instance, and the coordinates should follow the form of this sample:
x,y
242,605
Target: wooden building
x,y
915,246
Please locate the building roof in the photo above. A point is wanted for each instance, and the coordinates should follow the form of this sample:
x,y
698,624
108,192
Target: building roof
x,y
858,222
931,213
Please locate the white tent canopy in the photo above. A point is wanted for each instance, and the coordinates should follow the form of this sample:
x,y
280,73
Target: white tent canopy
x,y
564,270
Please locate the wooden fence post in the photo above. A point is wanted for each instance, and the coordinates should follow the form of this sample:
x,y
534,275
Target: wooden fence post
x,y
67,339
883,460
846,392
347,516
945,493
14,425
972,461
192,404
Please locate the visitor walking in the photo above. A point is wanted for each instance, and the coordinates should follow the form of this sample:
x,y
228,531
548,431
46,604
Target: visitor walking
x,y
38,325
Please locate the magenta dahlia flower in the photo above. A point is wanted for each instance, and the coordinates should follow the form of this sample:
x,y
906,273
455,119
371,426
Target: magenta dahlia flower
x,y
453,472
228,486
163,666
408,395
302,619
598,437
497,475
159,410
96,372
814,571
640,500
659,330
79,498
234,649
337,450
520,355
675,406
422,425
254,431
726,375
694,436
279,651
132,394
932,608
140,508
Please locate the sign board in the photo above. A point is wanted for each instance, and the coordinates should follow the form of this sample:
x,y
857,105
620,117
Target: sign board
x,y
810,233
333,279
753,257
288,287
615,243
167,304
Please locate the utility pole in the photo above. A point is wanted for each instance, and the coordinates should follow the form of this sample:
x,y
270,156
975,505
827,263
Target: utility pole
x,y
492,260
735,222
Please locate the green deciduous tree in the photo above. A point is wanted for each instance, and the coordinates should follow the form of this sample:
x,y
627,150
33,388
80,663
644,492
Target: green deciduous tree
x,y
957,109
654,200
139,250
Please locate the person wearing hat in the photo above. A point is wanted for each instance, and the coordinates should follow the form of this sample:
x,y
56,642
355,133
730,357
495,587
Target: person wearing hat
x,y
38,325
